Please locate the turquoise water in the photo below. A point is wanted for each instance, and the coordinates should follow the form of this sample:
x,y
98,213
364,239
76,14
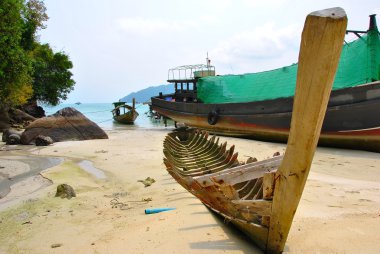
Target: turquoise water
x,y
100,113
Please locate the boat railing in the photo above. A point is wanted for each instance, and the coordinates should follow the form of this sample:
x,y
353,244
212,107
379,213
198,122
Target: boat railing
x,y
190,72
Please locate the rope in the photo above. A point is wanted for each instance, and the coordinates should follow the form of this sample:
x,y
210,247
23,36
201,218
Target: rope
x,y
96,111
105,120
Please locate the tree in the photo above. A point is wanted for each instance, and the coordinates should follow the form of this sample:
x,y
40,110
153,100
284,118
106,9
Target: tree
x,y
34,16
15,65
29,71
52,80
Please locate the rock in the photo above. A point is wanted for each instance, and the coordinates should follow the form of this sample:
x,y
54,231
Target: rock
x,y
65,124
33,109
65,191
19,116
43,140
11,137
276,154
251,159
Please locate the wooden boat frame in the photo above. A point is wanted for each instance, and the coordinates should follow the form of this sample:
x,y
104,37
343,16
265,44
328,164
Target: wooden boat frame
x,y
261,198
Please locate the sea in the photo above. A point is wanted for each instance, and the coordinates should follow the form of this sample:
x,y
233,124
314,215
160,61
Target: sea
x,y
101,114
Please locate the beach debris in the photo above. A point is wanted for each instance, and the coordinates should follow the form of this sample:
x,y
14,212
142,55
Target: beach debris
x,y
251,159
101,151
42,140
158,210
148,181
117,194
145,200
56,245
276,154
65,191
115,203
66,124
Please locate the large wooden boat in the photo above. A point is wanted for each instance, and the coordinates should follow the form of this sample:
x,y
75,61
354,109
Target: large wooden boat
x,y
259,105
123,113
261,198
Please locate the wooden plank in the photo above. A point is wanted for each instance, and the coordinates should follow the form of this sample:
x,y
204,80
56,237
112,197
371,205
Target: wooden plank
x,y
321,45
257,233
268,185
239,176
260,206
265,221
208,180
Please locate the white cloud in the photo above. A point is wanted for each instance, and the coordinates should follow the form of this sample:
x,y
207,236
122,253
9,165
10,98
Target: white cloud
x,y
261,4
265,43
143,26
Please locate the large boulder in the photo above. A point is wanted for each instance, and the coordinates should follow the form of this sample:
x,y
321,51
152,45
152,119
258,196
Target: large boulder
x,y
19,116
13,117
65,124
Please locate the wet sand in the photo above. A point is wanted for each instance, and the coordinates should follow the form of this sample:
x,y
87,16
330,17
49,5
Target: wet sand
x,y
339,211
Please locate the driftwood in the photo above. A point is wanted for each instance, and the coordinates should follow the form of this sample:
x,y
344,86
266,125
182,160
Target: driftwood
x,y
261,198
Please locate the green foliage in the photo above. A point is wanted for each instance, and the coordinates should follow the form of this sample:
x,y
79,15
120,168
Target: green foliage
x,y
34,15
52,78
15,65
29,70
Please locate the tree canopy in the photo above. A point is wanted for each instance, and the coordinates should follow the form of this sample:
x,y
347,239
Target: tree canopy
x,y
52,78
15,65
29,70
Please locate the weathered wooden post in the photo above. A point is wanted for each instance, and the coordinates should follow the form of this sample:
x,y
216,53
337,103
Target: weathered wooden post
x,y
321,45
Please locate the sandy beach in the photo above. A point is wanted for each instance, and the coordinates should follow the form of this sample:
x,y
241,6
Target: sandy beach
x,y
339,211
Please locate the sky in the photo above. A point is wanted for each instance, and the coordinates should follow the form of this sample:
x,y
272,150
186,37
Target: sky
x,y
122,46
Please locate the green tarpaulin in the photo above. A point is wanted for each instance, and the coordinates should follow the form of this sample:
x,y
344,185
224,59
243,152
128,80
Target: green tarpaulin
x,y
359,64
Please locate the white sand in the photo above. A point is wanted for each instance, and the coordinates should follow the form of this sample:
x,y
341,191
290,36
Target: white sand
x,y
339,211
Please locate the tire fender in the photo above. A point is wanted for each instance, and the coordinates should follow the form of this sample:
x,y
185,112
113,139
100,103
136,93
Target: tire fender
x,y
212,117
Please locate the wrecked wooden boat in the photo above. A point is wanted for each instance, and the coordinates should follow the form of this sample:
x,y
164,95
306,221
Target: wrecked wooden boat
x,y
261,197
123,113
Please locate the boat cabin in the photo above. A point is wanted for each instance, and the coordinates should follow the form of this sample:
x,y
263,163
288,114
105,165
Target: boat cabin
x,y
185,80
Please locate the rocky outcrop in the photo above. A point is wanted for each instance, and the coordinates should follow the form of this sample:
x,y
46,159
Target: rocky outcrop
x,y
15,118
19,116
65,124
33,109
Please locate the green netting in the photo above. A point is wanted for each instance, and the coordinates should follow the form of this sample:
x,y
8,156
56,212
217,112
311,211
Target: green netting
x,y
359,64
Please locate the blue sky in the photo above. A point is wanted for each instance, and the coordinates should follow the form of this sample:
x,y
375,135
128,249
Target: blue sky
x,y
122,46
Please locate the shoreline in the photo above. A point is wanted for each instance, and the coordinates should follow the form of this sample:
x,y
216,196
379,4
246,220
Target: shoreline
x,y
338,210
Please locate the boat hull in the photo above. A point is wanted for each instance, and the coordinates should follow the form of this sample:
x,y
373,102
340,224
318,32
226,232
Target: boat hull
x,y
127,118
352,118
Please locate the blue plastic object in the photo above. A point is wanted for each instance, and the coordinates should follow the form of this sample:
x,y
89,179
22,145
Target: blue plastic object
x,y
158,210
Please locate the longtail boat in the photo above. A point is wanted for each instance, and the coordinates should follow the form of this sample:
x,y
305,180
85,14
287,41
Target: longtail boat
x,y
261,198
259,105
123,113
